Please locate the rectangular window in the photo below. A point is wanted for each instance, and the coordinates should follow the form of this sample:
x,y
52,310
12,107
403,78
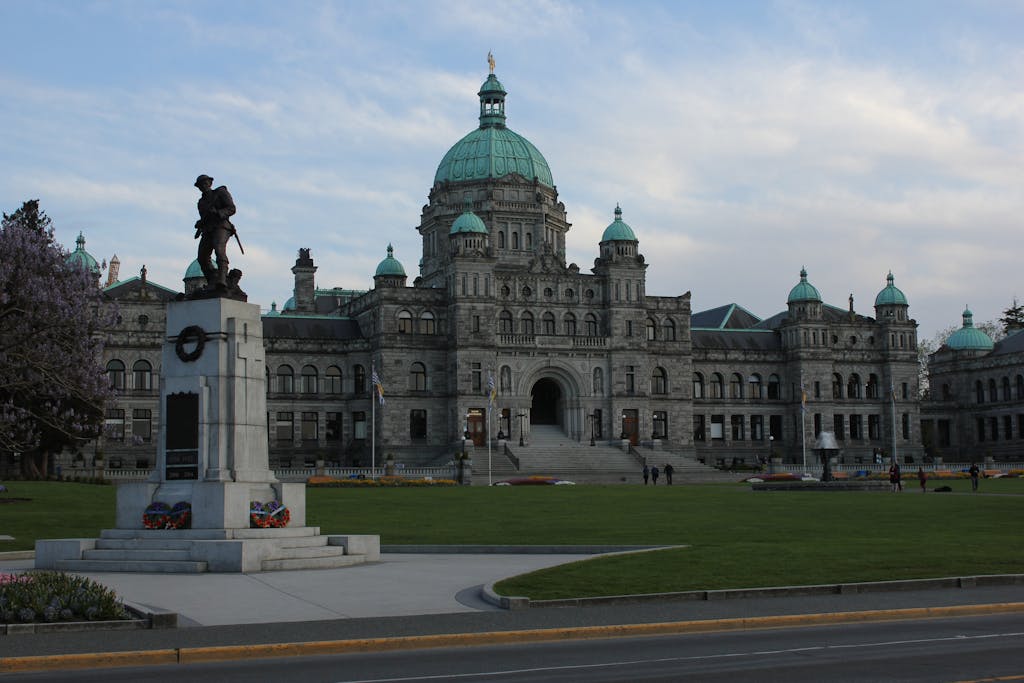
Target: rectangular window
x,y
906,426
1007,427
757,428
874,427
310,427
1020,426
284,428
698,427
817,390
332,427
598,424
417,424
660,418
629,328
775,427
630,379
856,427
838,427
905,390
476,323
737,428
944,438
142,424
476,377
993,428
113,426
359,426
817,424
717,427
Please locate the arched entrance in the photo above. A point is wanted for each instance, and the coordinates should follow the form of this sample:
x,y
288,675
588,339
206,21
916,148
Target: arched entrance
x,y
547,397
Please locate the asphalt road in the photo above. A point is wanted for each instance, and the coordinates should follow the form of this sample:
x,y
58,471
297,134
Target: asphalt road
x,y
961,649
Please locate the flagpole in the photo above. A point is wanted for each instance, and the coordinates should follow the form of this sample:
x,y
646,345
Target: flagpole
x,y
892,393
489,412
373,424
803,417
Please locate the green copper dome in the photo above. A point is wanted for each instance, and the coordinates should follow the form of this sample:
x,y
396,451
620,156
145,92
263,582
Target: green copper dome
x,y
492,150
968,337
618,230
194,270
804,290
390,265
891,294
289,305
468,222
82,259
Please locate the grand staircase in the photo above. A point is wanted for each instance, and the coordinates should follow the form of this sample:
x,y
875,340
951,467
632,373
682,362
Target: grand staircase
x,y
550,452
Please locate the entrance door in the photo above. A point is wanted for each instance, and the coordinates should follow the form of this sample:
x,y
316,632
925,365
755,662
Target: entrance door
x,y
630,426
546,397
475,423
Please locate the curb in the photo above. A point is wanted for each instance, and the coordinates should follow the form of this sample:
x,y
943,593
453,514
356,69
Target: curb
x,y
333,647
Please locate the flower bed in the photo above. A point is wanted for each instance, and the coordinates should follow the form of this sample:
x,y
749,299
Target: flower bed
x,y
332,482
49,597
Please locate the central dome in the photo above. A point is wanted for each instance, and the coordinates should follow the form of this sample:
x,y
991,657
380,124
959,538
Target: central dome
x,y
492,150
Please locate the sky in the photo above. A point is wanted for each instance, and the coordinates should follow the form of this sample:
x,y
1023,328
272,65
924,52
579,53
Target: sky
x,y
743,140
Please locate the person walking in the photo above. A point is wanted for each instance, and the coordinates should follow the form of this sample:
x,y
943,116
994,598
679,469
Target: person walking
x,y
974,472
668,473
894,478
654,475
647,473
922,478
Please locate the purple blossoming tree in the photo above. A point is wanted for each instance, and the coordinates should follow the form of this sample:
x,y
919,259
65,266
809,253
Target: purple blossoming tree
x,y
52,385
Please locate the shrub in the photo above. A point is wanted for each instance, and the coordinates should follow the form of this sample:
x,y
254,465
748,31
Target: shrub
x,y
54,596
331,482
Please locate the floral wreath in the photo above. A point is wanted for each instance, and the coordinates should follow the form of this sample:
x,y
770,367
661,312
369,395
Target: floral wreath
x,y
271,515
162,516
192,333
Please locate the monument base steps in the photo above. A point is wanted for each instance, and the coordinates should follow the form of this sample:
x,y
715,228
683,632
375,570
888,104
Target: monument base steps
x,y
207,550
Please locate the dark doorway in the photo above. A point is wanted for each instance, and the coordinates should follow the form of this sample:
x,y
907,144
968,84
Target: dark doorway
x,y
630,425
477,426
546,396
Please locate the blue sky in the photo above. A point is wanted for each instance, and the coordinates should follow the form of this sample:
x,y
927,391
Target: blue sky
x,y
743,140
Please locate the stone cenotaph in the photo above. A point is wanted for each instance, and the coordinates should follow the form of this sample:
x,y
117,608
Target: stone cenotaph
x,y
212,461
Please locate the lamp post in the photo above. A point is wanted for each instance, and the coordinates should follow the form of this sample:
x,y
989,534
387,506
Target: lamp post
x,y
771,455
593,426
521,417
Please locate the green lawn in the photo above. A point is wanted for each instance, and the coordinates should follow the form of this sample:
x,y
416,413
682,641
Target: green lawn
x,y
734,537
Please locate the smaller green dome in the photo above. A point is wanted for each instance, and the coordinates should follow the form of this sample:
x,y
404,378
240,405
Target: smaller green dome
x,y
804,290
468,222
618,230
273,309
389,266
289,305
891,294
968,337
194,270
82,259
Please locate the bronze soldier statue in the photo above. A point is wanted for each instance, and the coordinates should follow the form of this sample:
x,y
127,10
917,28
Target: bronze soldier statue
x,y
215,208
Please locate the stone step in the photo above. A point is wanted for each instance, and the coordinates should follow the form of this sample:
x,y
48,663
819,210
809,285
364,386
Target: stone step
x,y
137,554
137,566
207,534
303,542
290,564
142,544
299,553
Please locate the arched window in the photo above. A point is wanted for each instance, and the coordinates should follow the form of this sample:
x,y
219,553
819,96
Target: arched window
x,y
717,386
332,380
598,382
652,330
853,386
115,373
529,240
359,379
668,330
418,377
993,396
756,388
309,377
979,391
570,325
506,379
527,322
285,379
873,386
404,322
427,325
505,322
736,386
1020,386
501,239
142,375
837,385
1006,388
774,387
515,240
549,323
659,381
698,385
591,324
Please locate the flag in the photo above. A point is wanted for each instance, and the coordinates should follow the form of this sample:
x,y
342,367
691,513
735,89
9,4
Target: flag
x,y
492,391
803,398
375,379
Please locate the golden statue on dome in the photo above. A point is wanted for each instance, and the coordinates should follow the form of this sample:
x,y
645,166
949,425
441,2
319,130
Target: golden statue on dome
x,y
490,60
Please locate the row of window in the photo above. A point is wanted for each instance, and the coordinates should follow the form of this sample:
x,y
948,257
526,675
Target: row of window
x,y
141,377
591,322
114,426
842,426
754,387
309,427
989,428
994,395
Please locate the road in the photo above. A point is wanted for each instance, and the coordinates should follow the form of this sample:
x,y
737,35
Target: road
x,y
960,649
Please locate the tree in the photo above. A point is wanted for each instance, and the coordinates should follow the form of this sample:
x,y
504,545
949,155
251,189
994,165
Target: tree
x,y
1013,317
52,385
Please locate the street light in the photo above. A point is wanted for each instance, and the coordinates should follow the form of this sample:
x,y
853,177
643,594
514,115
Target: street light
x,y
521,417
593,425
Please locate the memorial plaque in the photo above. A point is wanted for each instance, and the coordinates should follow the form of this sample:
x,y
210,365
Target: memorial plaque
x,y
182,437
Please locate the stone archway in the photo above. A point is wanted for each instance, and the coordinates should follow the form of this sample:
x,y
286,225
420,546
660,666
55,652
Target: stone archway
x,y
547,402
